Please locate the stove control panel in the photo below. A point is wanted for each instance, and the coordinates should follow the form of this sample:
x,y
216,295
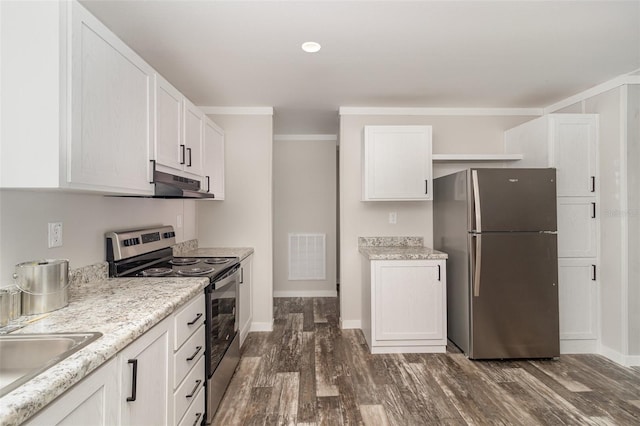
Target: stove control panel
x,y
125,244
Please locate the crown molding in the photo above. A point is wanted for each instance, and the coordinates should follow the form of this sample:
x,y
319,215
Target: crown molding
x,y
440,111
330,138
218,110
594,91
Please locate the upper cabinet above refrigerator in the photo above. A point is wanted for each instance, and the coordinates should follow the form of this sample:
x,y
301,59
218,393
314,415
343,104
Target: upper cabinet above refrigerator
x,y
396,163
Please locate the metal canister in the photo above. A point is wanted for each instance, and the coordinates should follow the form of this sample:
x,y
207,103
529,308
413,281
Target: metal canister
x,y
44,285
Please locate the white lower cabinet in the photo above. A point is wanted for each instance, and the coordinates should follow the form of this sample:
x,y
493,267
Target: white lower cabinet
x,y
93,401
405,306
245,303
144,374
157,380
578,301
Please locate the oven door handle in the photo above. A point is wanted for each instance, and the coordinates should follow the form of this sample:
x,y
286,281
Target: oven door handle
x,y
232,277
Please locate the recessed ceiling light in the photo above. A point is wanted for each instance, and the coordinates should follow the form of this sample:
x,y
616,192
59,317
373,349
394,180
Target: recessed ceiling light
x,y
311,46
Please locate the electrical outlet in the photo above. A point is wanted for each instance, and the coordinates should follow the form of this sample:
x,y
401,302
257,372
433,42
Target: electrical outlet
x,y
179,221
393,218
55,234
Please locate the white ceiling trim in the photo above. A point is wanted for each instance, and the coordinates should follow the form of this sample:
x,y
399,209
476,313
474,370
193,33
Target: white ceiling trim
x,y
330,138
439,111
217,110
594,91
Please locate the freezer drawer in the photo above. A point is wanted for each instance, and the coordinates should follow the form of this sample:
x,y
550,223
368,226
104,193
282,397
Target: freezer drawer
x,y
514,295
513,200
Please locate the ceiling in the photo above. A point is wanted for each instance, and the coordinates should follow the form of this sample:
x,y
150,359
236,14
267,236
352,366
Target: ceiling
x,y
503,54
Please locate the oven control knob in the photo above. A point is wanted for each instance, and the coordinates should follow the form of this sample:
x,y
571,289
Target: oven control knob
x,y
168,234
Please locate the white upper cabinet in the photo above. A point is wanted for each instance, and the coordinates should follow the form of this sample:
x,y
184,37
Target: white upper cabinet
x,y
397,163
213,159
92,97
168,131
567,142
193,120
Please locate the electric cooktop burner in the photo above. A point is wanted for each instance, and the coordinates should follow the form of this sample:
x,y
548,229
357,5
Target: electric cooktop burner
x,y
216,260
180,261
157,272
195,271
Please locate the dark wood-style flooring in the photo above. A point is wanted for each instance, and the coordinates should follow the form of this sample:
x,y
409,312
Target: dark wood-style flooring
x,y
310,372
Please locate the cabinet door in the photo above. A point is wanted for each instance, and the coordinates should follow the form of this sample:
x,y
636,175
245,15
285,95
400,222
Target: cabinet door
x,y
144,393
213,158
90,402
111,113
574,154
397,163
578,302
168,130
245,300
408,300
577,227
193,118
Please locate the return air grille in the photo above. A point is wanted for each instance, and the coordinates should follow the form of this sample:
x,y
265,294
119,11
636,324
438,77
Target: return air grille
x,y
307,257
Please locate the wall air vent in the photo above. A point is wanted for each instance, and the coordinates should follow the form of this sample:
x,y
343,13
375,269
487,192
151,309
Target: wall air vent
x,y
307,257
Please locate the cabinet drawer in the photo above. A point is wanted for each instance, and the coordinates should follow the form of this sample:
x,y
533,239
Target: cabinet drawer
x,y
188,320
188,356
194,414
188,392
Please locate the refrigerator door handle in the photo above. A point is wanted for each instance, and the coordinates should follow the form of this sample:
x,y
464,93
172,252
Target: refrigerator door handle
x,y
476,199
476,263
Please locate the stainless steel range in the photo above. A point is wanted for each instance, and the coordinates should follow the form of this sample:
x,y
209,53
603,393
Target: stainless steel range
x,y
148,253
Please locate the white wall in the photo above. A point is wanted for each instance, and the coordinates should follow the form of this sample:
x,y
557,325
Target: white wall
x,y
451,134
244,218
24,216
633,184
304,201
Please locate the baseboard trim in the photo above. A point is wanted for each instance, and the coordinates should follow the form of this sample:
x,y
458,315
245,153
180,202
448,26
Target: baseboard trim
x,y
579,347
617,357
262,326
350,324
306,293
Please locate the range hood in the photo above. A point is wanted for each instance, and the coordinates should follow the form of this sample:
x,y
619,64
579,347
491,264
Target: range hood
x,y
172,186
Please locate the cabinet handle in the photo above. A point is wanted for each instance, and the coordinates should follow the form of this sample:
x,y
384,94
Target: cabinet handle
x,y
134,380
198,348
593,272
195,320
189,152
593,184
593,210
208,184
183,156
439,273
198,415
195,389
426,186
153,171
241,275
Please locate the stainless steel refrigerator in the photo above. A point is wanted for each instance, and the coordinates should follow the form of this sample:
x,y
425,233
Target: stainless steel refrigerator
x,y
499,229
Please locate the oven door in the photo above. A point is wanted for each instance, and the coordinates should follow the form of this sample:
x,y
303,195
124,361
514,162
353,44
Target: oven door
x,y
223,349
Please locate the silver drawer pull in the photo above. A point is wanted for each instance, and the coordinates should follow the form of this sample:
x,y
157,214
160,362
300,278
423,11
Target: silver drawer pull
x,y
195,320
198,349
195,389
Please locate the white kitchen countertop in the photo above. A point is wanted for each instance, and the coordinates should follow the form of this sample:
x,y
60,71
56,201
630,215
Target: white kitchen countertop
x,y
122,309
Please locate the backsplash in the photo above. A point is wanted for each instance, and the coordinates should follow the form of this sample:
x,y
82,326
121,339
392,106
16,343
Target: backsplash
x,y
185,246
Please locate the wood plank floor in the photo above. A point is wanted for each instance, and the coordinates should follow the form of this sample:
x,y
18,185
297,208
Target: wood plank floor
x,y
310,372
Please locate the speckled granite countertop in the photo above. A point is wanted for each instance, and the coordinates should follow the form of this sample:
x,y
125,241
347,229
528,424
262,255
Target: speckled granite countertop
x,y
241,252
397,248
122,309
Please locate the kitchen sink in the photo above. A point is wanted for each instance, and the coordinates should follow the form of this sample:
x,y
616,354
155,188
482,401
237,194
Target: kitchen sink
x,y
24,356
